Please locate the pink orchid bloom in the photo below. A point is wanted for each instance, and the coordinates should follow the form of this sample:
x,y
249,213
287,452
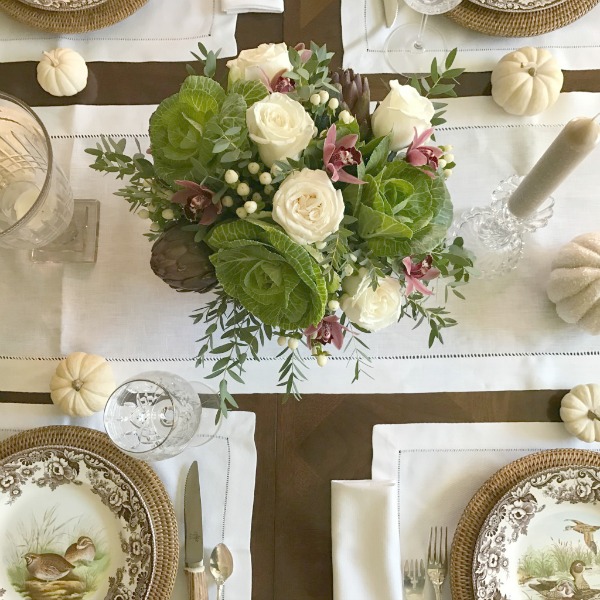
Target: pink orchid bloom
x,y
340,154
328,331
279,83
197,201
419,155
414,273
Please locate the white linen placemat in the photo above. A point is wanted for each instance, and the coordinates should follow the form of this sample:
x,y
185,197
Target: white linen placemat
x,y
159,31
508,336
365,550
364,34
236,7
227,466
438,467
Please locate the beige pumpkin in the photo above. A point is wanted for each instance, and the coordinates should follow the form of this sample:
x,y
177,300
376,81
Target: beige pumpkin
x,y
526,81
62,72
574,284
580,411
82,384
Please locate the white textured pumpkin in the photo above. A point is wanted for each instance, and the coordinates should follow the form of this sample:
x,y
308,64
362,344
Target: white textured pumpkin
x,y
62,72
82,384
526,81
574,284
580,411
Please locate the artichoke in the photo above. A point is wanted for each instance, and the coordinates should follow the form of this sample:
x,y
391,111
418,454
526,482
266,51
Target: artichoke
x,y
181,262
356,97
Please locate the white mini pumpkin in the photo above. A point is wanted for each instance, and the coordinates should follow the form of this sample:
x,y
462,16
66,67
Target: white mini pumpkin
x,y
62,72
574,284
526,81
82,384
580,411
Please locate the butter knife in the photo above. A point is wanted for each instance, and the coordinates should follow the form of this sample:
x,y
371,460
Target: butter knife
x,y
391,11
194,539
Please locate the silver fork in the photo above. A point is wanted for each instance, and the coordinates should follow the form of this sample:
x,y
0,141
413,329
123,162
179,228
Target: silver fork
x,y
437,559
414,579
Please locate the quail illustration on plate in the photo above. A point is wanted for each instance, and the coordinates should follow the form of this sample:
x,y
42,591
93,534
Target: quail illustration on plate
x,y
47,567
83,550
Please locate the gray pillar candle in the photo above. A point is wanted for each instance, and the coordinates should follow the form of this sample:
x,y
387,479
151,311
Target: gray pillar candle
x,y
578,138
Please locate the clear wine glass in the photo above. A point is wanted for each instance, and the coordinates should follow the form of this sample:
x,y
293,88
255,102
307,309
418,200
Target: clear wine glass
x,y
156,415
411,47
37,210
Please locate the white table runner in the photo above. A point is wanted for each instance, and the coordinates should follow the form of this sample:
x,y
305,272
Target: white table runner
x,y
508,336
159,31
227,466
364,33
438,468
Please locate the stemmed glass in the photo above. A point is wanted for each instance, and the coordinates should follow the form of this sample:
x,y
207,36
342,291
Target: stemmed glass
x,y
156,415
413,41
37,210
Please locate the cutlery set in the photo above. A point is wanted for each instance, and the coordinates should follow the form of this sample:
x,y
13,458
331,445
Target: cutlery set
x,y
413,575
221,561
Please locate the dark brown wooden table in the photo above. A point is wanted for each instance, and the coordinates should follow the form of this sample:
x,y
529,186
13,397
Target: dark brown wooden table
x,y
302,445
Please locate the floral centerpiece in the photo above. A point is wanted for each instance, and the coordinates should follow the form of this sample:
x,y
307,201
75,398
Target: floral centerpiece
x,y
307,218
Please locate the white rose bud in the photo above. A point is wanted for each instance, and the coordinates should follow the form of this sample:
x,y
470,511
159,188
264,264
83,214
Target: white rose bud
x,y
256,197
243,189
346,117
269,189
333,305
449,157
241,212
282,340
231,176
442,163
254,64
250,206
447,173
315,99
143,213
447,147
308,207
334,104
369,308
280,127
254,168
265,178
401,111
151,207
324,95
293,343
227,201
154,227
168,214
322,360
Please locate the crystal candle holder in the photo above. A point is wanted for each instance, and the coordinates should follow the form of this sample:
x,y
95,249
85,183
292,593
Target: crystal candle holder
x,y
495,235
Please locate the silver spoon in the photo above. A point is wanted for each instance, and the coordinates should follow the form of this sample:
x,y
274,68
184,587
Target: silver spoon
x,y
221,567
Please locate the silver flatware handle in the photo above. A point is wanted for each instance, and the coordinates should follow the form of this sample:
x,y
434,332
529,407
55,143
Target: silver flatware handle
x,y
197,584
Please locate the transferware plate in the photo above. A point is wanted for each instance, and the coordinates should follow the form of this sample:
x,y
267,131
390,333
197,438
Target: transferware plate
x,y
517,5
63,5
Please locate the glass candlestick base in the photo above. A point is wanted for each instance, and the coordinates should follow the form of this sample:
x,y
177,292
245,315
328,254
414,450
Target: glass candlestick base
x,y
495,235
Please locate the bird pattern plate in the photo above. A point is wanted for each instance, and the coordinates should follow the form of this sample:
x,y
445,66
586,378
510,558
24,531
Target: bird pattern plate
x,y
72,527
541,539
62,5
517,6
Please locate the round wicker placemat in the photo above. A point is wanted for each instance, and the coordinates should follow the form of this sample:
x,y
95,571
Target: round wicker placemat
x,y
76,21
522,24
473,518
144,479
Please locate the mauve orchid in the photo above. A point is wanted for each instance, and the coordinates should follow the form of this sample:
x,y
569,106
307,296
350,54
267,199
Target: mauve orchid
x,y
419,155
329,330
414,273
197,201
340,154
279,83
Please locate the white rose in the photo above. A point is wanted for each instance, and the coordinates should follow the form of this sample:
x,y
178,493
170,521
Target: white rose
x,y
280,127
308,207
402,110
254,64
368,308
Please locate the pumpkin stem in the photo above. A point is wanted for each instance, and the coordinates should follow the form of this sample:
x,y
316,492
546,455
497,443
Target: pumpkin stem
x,y
78,384
530,67
52,59
592,415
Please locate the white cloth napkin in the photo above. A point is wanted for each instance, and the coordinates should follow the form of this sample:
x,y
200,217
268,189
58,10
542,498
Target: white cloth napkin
x,y
235,7
159,31
366,557
227,466
438,467
364,35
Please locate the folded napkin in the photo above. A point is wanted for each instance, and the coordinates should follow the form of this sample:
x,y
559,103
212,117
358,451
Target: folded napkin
x,y
365,543
234,7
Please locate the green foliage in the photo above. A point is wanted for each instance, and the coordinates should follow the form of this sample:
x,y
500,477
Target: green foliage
x,y
272,276
208,60
251,91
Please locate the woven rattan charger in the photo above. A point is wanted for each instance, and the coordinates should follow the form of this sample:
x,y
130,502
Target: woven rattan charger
x,y
142,477
521,24
76,21
472,520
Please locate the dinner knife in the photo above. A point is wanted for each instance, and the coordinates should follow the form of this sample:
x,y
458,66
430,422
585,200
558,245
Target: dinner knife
x,y
391,11
194,540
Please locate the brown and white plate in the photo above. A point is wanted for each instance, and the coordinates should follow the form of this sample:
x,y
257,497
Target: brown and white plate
x,y
516,5
79,520
63,5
